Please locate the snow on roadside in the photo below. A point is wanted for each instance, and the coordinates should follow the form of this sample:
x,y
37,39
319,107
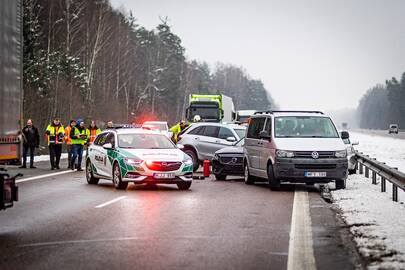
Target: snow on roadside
x,y
376,222
384,149
46,157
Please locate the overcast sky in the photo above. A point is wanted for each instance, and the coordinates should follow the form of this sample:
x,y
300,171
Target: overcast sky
x,y
312,54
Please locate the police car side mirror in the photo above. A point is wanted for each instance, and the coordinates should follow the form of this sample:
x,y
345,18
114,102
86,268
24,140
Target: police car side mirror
x,y
108,146
180,146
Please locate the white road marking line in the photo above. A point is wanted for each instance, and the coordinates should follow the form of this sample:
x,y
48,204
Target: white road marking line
x,y
42,176
110,202
300,250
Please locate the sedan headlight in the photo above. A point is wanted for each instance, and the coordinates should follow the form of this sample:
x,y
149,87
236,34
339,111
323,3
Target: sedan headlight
x,y
341,154
284,154
188,162
133,161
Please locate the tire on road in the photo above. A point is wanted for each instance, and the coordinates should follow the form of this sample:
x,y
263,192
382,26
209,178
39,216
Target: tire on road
x,y
89,174
184,185
194,157
340,184
117,179
249,180
220,177
274,183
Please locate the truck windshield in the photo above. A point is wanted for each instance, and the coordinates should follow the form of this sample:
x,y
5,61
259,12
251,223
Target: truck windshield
x,y
144,141
206,113
304,127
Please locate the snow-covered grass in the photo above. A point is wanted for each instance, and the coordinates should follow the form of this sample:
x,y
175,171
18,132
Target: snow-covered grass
x,y
376,222
384,149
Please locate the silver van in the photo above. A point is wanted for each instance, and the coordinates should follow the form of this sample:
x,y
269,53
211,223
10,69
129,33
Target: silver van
x,y
294,147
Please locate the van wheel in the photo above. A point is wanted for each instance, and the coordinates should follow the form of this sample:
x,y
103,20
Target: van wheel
x,y
274,184
194,157
248,178
117,180
89,174
340,184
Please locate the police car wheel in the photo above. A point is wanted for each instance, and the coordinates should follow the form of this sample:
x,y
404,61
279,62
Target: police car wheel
x,y
89,174
184,185
117,180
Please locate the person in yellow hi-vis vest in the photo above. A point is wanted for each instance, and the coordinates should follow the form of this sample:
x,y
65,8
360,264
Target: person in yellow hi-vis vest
x,y
79,138
55,134
176,129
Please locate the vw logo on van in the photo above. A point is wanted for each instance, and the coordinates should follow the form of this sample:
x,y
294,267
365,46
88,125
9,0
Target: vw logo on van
x,y
315,155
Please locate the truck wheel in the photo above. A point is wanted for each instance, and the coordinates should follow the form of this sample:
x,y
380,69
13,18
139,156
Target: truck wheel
x,y
220,177
194,157
184,185
248,178
89,174
117,180
352,171
274,184
340,184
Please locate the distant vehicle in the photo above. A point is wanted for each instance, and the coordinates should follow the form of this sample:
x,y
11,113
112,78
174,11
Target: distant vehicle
x,y
211,108
393,128
228,161
352,163
344,125
11,94
139,156
295,147
158,125
243,116
202,140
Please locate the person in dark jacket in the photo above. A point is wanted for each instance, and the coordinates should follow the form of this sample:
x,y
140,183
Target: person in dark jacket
x,y
30,136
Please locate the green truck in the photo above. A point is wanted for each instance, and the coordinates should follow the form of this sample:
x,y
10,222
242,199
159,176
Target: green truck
x,y
211,108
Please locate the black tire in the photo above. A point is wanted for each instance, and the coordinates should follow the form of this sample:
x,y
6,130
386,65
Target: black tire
x,y
352,171
274,183
184,185
89,174
340,184
220,177
117,179
193,155
249,180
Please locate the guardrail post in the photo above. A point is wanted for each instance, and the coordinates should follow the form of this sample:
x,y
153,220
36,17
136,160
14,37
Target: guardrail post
x,y
366,173
394,193
374,181
383,184
360,168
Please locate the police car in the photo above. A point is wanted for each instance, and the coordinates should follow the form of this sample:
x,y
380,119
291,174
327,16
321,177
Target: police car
x,y
139,156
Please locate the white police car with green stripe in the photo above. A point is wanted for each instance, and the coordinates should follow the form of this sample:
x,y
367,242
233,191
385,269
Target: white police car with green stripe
x,y
139,156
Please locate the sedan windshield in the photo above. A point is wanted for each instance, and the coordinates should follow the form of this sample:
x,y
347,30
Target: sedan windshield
x,y
144,141
305,127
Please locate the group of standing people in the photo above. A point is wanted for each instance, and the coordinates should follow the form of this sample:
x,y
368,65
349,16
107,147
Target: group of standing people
x,y
75,136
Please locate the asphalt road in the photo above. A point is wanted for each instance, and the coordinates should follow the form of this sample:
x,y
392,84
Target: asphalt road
x,y
61,222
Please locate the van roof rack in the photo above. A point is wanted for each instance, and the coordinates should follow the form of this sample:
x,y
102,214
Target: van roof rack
x,y
271,112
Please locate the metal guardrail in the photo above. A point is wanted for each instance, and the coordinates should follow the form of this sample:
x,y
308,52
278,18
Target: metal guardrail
x,y
387,173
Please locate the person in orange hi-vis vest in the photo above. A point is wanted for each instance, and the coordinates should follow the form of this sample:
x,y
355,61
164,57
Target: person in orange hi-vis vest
x,y
92,132
68,140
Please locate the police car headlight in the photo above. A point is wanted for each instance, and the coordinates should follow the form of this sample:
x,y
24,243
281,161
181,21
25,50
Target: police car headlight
x,y
284,154
341,154
133,161
188,162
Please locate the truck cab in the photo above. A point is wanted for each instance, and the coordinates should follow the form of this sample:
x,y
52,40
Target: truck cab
x,y
211,108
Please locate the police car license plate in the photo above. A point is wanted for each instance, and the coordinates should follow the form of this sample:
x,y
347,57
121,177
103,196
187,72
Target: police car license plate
x,y
315,174
164,175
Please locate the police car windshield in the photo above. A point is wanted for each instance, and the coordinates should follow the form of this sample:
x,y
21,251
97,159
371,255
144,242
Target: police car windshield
x,y
144,141
304,127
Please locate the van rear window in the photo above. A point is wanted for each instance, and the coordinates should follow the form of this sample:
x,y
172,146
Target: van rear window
x,y
304,127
